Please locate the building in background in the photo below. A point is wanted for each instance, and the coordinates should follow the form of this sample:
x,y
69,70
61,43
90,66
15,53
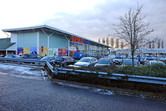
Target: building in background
x,y
46,40
6,47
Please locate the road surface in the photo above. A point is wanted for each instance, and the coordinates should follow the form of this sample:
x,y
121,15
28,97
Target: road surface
x,y
20,93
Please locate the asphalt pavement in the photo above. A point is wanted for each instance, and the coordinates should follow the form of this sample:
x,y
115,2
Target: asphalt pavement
x,y
18,93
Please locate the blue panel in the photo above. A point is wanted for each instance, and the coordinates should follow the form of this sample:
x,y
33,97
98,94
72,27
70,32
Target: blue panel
x,y
27,39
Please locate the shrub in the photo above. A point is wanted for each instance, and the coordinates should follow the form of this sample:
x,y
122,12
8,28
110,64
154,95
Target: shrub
x,y
156,70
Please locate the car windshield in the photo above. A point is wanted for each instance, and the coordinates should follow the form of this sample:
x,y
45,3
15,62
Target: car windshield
x,y
129,62
84,60
59,59
151,58
104,61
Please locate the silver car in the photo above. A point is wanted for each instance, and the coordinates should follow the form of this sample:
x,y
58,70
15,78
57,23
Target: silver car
x,y
86,61
104,62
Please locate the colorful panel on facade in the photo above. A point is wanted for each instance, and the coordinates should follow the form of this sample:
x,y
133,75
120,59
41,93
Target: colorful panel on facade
x,y
19,51
33,50
50,51
55,51
44,53
26,50
62,51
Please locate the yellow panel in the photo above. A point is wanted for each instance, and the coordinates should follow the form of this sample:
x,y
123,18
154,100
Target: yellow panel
x,y
45,50
26,50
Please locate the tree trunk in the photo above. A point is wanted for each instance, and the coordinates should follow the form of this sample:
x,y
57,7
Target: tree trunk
x,y
132,53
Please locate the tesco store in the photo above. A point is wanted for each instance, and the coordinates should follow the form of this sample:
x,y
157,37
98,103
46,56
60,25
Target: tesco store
x,y
47,40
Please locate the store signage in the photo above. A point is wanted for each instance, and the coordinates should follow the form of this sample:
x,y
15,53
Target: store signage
x,y
79,40
86,42
76,39
76,43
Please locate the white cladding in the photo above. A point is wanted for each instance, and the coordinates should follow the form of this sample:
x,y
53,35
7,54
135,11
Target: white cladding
x,y
13,47
13,37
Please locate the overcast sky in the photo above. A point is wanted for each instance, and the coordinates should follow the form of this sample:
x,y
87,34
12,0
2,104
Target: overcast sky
x,y
87,18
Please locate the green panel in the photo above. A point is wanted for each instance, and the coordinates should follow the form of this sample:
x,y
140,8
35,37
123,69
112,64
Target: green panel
x,y
50,52
58,42
27,39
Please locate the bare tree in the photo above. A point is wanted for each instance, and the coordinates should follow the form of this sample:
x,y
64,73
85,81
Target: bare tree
x,y
103,40
133,30
107,41
162,43
112,42
153,45
158,43
117,42
150,45
122,45
99,40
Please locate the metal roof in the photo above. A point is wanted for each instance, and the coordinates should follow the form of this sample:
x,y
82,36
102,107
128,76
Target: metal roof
x,y
5,43
51,28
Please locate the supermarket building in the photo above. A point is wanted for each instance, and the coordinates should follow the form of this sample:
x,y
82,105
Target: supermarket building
x,y
47,40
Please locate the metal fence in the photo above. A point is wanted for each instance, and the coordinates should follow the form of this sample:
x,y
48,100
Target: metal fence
x,y
131,78
57,70
20,61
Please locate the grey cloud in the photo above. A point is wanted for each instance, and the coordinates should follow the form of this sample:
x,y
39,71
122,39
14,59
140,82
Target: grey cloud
x,y
98,21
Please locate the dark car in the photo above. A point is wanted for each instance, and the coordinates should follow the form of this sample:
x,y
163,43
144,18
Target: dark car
x,y
50,59
118,60
63,61
142,60
31,56
2,55
97,57
12,56
104,62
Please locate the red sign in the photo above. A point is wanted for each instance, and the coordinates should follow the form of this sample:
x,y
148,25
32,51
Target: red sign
x,y
41,48
62,52
77,39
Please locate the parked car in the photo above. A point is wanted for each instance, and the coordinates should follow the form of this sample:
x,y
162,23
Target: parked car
x,y
2,55
50,59
129,62
97,57
104,62
154,62
143,60
63,61
31,56
148,59
163,59
118,60
12,56
86,61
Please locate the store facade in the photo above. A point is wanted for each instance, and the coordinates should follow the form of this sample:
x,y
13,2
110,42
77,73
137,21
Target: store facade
x,y
46,40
